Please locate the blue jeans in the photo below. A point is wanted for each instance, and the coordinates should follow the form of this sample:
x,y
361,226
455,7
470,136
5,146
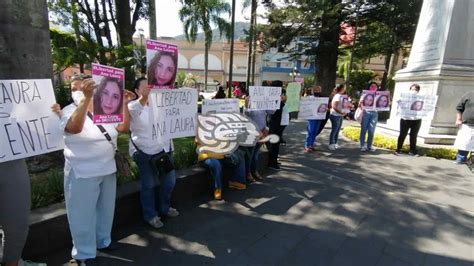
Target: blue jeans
x,y
461,156
90,204
253,162
148,174
336,124
367,125
312,130
215,167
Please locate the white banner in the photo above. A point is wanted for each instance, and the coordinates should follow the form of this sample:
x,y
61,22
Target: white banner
x,y
264,98
313,108
220,106
28,127
417,106
174,113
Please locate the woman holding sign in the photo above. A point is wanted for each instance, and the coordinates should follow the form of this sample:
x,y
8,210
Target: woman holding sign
x,y
153,158
336,116
108,97
369,120
89,171
408,123
313,125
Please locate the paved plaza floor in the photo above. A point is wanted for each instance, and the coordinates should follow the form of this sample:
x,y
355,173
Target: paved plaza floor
x,y
324,208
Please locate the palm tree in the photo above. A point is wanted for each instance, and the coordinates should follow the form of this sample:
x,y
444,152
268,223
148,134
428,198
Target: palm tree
x,y
202,15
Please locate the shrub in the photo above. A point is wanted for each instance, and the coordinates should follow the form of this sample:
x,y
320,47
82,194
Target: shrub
x,y
390,143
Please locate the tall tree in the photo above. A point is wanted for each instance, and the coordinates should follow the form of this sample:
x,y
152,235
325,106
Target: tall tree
x,y
125,24
202,15
152,17
231,59
251,36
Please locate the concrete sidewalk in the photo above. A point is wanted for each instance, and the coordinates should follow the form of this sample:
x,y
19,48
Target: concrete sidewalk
x,y
324,208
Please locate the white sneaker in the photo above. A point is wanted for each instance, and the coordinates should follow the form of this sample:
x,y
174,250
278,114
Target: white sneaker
x,y
172,212
155,222
337,146
371,149
363,149
332,147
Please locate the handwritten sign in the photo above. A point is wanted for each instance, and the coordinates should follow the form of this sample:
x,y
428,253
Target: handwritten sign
x,y
313,108
174,113
417,106
162,64
108,96
382,101
220,106
264,98
28,127
293,92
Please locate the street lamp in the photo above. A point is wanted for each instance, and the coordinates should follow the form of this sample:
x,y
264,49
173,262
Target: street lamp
x,y
295,73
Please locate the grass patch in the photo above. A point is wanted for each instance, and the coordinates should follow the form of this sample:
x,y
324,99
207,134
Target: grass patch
x,y
47,186
390,143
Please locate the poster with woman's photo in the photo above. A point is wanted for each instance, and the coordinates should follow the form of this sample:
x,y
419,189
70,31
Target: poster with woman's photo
x,y
162,64
346,104
108,95
382,101
368,100
313,108
417,106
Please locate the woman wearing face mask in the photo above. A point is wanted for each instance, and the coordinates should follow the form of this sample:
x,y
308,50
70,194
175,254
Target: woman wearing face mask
x,y
408,123
368,123
143,148
89,171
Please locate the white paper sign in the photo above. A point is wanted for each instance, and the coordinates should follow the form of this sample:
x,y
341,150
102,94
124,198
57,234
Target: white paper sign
x,y
417,106
264,98
174,113
220,106
28,127
313,108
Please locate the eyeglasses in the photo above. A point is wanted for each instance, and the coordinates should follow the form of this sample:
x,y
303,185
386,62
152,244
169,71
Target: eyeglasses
x,y
80,76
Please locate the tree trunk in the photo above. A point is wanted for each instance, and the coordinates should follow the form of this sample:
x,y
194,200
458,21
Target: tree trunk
x,y
388,58
206,58
26,31
231,59
122,9
251,35
254,52
326,60
152,14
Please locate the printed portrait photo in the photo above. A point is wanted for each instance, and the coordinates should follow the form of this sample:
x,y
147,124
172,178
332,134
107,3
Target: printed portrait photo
x,y
108,97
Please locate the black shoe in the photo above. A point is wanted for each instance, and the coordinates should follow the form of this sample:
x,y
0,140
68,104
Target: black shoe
x,y
274,167
283,142
86,262
112,246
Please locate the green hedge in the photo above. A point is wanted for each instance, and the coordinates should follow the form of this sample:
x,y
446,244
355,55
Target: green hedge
x,y
390,143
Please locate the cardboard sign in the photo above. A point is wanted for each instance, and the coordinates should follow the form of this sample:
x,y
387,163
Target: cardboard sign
x,y
28,127
313,108
220,106
293,92
382,101
162,64
264,98
174,113
417,106
108,96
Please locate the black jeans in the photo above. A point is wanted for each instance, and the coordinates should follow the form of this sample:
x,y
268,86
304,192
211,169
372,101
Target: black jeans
x,y
274,148
413,126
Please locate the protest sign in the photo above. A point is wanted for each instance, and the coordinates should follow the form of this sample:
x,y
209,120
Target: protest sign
x,y
220,106
293,92
162,64
299,80
346,104
368,100
382,101
264,98
28,127
313,108
417,106
174,113
108,96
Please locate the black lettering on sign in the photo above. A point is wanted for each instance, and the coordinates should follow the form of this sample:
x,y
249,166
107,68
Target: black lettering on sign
x,y
10,140
4,114
45,134
19,92
158,130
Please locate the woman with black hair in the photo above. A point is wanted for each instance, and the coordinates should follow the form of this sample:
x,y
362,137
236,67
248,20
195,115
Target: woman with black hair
x,y
412,124
368,122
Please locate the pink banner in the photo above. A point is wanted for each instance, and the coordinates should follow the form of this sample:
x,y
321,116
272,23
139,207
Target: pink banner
x,y
162,64
108,95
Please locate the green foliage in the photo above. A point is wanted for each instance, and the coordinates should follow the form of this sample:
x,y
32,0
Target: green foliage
x,y
133,61
184,153
47,189
63,94
359,80
389,143
180,77
309,81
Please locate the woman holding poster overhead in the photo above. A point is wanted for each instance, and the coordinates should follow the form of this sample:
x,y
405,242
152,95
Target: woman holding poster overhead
x,y
89,171
409,123
336,116
369,120
153,158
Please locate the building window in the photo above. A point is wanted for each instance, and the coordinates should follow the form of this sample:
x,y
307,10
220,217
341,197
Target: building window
x,y
286,64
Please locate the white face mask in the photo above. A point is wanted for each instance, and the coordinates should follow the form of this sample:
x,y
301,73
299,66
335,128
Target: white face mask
x,y
413,92
77,96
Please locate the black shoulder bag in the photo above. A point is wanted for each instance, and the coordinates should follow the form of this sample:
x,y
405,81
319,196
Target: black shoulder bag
x,y
121,161
161,161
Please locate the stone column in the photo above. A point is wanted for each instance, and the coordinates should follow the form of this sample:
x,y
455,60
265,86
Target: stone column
x,y
442,63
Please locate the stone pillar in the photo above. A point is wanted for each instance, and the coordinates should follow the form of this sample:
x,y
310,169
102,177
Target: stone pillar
x,y
442,63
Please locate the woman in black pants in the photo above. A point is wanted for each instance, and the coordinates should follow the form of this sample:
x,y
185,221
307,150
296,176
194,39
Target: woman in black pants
x,y
409,124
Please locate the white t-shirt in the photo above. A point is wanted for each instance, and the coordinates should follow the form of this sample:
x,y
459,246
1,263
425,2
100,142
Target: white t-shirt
x,y
337,98
88,153
140,127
